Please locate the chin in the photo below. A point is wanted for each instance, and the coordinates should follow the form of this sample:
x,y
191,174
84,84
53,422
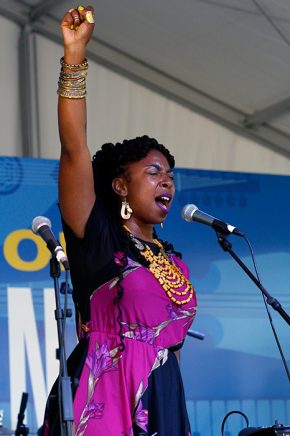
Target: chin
x,y
156,218
160,220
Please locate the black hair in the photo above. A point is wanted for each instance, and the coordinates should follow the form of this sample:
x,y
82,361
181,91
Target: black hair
x,y
111,162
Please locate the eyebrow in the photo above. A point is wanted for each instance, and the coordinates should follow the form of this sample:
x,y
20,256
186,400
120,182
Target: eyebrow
x,y
158,167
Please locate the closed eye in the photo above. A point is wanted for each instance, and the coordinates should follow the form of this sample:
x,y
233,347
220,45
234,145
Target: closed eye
x,y
156,170
154,173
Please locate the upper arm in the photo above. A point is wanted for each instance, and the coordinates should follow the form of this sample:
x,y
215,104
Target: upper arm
x,y
76,189
76,181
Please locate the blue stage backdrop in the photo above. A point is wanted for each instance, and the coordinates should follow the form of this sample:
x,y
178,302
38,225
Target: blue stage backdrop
x,y
236,367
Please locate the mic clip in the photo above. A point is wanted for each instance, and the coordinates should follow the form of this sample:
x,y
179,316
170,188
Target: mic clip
x,y
225,229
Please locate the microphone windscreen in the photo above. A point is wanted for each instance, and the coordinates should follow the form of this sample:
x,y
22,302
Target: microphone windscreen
x,y
38,222
188,211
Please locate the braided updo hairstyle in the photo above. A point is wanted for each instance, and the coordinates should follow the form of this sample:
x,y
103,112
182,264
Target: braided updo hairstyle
x,y
111,162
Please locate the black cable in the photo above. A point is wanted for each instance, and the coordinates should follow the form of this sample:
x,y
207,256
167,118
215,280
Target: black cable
x,y
268,311
231,413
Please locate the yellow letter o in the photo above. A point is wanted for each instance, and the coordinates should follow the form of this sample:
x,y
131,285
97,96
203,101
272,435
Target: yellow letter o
x,y
12,256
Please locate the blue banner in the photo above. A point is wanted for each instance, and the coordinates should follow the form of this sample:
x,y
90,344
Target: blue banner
x,y
236,367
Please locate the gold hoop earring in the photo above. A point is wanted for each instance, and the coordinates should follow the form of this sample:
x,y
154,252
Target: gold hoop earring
x,y
126,210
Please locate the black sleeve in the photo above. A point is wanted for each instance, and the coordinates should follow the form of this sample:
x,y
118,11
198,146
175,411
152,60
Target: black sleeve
x,y
91,258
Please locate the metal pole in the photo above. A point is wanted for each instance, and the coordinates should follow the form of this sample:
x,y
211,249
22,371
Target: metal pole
x,y
29,92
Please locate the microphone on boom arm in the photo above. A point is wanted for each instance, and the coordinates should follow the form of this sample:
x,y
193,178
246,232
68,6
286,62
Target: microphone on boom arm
x,y
42,226
190,213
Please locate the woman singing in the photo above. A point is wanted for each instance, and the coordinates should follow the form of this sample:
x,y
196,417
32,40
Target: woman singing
x,y
134,302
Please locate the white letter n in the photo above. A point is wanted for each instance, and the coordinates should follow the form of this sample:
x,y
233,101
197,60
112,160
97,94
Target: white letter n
x,y
23,337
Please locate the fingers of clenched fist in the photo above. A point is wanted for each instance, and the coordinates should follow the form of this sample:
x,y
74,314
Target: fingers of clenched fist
x,y
75,17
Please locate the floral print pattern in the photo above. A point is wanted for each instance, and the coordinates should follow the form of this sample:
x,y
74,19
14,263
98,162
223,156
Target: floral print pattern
x,y
91,411
123,378
141,416
176,313
94,410
99,361
121,259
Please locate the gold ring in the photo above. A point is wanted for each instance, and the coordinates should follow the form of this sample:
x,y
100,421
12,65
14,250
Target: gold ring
x,y
90,17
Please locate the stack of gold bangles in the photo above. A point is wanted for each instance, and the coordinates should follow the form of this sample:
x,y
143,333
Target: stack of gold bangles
x,y
72,80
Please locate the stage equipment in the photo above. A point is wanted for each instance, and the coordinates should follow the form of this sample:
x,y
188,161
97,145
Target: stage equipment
x,y
190,213
276,430
21,429
42,227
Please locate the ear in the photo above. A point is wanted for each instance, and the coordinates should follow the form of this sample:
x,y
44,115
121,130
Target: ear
x,y
119,186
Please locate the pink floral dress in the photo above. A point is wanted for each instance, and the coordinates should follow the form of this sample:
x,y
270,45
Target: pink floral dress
x,y
114,393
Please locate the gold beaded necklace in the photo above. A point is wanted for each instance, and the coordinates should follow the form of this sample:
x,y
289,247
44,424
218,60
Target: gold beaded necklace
x,y
165,271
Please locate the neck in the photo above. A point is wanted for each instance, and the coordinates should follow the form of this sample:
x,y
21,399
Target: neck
x,y
144,232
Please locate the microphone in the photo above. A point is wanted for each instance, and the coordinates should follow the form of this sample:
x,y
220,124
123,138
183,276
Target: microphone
x,y
41,226
195,334
190,212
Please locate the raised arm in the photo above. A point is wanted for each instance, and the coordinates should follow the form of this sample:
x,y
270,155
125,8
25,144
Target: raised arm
x,y
76,185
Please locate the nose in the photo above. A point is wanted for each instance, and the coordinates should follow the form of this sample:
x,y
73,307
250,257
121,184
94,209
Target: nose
x,y
166,181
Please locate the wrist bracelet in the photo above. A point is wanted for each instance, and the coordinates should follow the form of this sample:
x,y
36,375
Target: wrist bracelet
x,y
74,67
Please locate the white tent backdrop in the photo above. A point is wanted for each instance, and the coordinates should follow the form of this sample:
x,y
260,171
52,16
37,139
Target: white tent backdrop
x,y
119,108
10,126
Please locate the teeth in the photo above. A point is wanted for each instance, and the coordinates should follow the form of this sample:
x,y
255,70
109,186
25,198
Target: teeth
x,y
165,198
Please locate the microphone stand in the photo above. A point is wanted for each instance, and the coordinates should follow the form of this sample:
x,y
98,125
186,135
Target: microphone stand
x,y
65,392
227,246
21,429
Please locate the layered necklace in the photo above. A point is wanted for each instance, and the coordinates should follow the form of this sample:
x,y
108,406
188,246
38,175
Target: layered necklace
x,y
174,283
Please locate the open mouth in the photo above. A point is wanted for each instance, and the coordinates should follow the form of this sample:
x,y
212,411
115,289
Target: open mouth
x,y
163,201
